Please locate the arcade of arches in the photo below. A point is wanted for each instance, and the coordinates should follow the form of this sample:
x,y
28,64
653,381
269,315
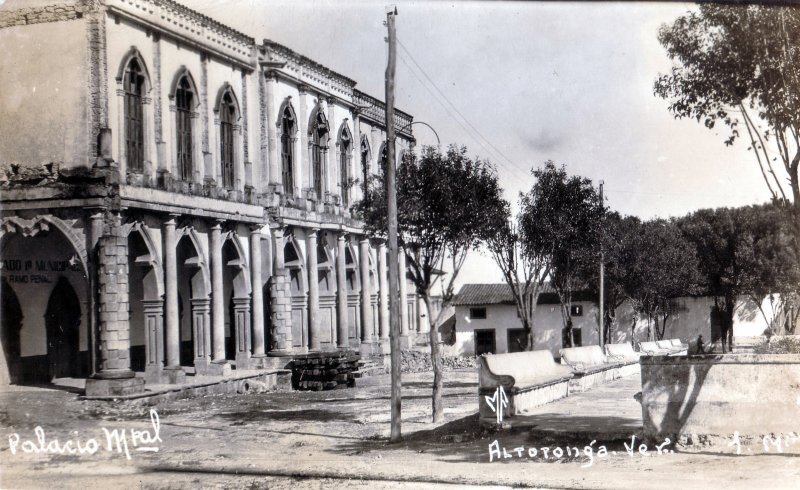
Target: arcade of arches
x,y
170,296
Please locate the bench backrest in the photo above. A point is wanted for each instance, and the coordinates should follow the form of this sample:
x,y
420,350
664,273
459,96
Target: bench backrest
x,y
524,367
649,347
624,350
515,363
589,355
664,344
676,342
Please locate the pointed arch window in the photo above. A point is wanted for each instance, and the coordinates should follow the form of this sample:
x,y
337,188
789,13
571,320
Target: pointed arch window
x,y
365,164
319,150
384,160
227,118
287,150
133,86
345,145
184,98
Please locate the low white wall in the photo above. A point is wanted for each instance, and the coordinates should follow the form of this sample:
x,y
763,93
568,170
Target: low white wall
x,y
751,394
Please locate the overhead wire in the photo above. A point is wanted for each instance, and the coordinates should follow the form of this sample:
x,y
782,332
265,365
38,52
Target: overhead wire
x,y
469,128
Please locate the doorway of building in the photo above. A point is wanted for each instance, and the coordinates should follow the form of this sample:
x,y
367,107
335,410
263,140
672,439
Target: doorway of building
x,y
62,323
10,326
484,342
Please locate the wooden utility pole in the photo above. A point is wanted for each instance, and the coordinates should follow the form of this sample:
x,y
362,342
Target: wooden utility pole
x,y
391,197
602,277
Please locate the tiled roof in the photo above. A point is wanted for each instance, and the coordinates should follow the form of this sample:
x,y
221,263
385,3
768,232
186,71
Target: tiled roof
x,y
489,294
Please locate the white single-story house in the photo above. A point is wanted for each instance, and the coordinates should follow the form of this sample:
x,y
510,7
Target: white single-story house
x,y
486,321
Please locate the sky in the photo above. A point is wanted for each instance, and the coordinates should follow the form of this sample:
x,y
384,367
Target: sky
x,y
520,83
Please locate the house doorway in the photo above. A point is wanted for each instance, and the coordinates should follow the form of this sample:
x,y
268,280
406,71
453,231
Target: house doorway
x,y
484,342
10,326
62,323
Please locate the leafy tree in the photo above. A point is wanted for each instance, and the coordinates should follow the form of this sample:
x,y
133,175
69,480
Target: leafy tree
x,y
617,236
766,255
554,233
737,65
660,265
447,205
718,236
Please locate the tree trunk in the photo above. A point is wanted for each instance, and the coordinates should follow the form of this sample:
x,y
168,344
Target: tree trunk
x,y
436,361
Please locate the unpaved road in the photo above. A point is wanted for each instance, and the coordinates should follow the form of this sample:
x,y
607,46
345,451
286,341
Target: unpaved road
x,y
337,439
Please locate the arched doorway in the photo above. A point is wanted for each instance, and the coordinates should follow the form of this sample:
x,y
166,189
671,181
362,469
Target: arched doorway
x,y
10,326
194,304
145,315
62,323
294,263
236,292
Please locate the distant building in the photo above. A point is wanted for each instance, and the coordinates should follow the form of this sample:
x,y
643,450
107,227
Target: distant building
x,y
486,321
176,198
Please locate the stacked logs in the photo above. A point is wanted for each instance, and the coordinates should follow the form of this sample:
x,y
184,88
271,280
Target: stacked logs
x,y
324,371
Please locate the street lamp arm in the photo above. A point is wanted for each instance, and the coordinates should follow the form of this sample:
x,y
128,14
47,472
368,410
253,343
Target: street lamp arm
x,y
400,130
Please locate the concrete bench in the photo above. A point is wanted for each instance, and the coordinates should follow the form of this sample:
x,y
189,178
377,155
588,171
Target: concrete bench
x,y
529,379
680,346
674,350
652,349
624,354
590,366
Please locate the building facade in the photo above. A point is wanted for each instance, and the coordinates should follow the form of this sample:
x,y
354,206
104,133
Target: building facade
x,y
176,198
486,321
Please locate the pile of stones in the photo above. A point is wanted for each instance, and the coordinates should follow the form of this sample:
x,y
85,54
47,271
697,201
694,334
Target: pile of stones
x,y
324,371
412,361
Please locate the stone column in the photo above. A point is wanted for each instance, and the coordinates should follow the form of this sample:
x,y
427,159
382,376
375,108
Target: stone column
x,y
280,302
115,376
383,284
217,299
173,347
95,232
272,132
342,330
258,294
154,338
366,307
313,291
405,340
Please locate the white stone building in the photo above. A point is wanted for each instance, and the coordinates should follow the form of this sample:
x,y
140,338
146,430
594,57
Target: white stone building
x,y
176,198
486,321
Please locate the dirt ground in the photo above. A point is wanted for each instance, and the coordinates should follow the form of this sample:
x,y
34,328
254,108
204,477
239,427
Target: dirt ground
x,y
338,439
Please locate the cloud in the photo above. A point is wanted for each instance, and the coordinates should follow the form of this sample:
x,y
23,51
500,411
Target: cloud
x,y
543,140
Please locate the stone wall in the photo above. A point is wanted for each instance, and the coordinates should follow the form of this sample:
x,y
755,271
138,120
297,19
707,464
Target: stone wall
x,y
324,371
720,394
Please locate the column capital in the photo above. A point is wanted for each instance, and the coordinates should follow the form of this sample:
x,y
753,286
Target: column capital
x,y
312,232
342,235
217,224
257,229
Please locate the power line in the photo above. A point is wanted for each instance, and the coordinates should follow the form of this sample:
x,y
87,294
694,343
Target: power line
x,y
444,96
449,112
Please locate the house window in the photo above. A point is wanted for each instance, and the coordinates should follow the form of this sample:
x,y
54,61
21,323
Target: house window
x,y
183,115
287,150
477,313
484,342
517,339
227,116
319,147
133,85
344,165
576,310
